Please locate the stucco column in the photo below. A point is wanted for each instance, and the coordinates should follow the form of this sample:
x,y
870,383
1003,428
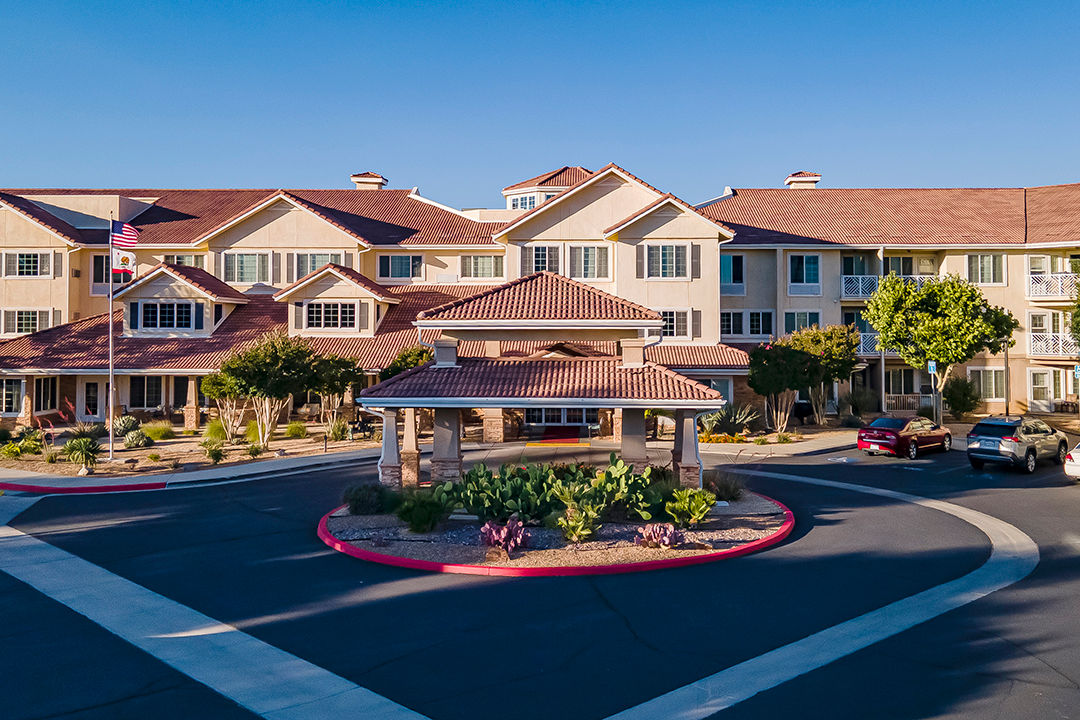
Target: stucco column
x,y
26,411
687,467
633,436
616,425
390,460
410,452
348,403
191,407
494,426
446,449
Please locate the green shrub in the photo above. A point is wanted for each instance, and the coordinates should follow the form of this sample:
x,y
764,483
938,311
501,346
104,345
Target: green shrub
x,y
371,499
850,421
83,451
254,451
926,412
5,435
160,430
761,440
214,452
689,507
724,485
732,419
580,521
51,457
31,443
11,451
251,432
124,424
137,439
524,490
338,431
961,395
424,509
86,429
783,438
859,401
214,431
296,429
153,457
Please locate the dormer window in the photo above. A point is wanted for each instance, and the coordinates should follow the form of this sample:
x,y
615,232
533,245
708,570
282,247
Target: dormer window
x,y
525,202
331,315
167,315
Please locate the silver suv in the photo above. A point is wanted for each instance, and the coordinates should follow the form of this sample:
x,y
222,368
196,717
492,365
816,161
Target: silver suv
x,y
1019,441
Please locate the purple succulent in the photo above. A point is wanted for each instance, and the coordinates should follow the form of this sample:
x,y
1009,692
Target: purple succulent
x,y
659,535
509,537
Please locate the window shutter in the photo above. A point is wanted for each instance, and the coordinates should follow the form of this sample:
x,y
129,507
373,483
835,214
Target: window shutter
x,y
133,315
553,259
695,261
58,264
362,315
198,316
276,257
417,266
973,268
498,266
11,264
348,260
264,269
43,318
466,266
695,323
601,262
9,321
526,261
43,264
640,249
384,266
170,259
56,316
298,315
290,268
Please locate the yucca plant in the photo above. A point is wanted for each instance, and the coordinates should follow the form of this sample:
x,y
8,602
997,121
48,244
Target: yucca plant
x,y
83,451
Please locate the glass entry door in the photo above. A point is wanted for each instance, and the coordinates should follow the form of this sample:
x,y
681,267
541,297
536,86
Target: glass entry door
x,y
1040,396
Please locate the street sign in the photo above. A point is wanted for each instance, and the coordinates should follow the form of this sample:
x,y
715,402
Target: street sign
x,y
1076,371
931,367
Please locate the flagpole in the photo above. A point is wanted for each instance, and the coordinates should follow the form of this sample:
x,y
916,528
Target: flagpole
x,y
109,325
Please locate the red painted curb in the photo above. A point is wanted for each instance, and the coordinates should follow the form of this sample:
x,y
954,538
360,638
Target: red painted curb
x,y
750,547
83,489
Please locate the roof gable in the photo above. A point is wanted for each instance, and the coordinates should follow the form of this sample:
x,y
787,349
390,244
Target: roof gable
x,y
667,201
564,177
349,275
32,212
195,278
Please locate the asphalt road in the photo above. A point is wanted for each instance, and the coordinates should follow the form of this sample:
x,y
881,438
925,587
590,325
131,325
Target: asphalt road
x,y
463,647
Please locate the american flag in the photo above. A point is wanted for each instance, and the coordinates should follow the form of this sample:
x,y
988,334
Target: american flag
x,y
123,235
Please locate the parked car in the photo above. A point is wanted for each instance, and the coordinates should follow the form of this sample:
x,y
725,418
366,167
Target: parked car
x,y
1018,441
1072,462
903,436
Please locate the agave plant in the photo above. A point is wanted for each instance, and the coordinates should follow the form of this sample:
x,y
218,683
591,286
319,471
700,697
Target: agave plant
x,y
83,451
729,420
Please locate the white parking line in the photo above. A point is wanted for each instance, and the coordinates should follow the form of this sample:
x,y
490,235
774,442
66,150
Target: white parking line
x,y
267,681
1012,557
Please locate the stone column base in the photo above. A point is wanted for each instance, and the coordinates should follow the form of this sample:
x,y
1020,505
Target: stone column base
x,y
410,468
689,475
390,476
445,471
191,417
616,425
494,427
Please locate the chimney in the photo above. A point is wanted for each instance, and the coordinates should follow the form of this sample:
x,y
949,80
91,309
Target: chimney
x,y
446,352
802,179
633,352
368,181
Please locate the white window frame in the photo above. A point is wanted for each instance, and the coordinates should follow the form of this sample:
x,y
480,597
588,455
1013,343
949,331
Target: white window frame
x,y
27,251
310,267
981,368
15,333
746,322
198,259
547,245
20,395
523,202
146,407
357,308
102,289
807,289
1004,268
269,266
166,330
390,278
673,243
732,288
689,323
565,268
744,317
55,399
795,311
562,416
482,278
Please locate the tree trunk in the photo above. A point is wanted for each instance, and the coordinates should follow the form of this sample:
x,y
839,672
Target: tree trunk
x,y
780,406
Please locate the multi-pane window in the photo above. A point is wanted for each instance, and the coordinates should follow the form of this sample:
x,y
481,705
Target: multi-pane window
x,y
401,266
804,269
481,266
900,381
26,264
853,265
666,261
676,323
589,263
525,202
761,322
145,392
562,416
799,319
310,262
101,272
247,268
731,323
540,258
331,315
991,383
167,315
26,321
198,261
731,269
986,269
45,392
899,266
10,395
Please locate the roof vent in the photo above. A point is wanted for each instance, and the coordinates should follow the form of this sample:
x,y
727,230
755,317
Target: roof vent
x,y
803,179
368,180
446,352
633,352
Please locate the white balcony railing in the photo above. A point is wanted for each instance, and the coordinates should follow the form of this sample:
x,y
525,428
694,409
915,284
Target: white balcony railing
x,y
1054,344
868,345
1052,285
863,286
910,403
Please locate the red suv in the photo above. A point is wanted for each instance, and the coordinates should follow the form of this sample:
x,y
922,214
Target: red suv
x,y
903,437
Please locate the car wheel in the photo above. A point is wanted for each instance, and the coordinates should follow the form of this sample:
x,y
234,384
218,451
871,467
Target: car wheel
x,y
912,450
946,444
976,464
1063,450
1029,462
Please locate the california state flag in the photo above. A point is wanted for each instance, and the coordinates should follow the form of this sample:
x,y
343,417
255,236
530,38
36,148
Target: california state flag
x,y
123,261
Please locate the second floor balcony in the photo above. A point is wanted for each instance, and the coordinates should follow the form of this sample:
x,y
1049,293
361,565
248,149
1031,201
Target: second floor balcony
x,y
860,287
1052,344
868,345
1052,285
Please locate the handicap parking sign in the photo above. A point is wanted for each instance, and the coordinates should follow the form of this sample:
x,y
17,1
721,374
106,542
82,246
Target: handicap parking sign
x,y
931,367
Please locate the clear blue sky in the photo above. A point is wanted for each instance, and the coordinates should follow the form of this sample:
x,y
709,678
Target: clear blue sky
x,y
464,98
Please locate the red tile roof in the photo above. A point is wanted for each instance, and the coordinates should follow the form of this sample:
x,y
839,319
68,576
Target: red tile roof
x,y
804,174
42,217
565,176
196,277
1054,214
379,291
873,216
540,296
699,357
584,378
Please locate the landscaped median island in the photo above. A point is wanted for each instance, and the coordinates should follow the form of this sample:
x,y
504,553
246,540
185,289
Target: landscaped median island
x,y
555,519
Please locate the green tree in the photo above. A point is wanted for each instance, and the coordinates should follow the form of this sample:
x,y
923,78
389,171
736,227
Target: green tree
x,y
333,376
834,351
406,359
947,320
777,372
231,403
268,373
962,395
